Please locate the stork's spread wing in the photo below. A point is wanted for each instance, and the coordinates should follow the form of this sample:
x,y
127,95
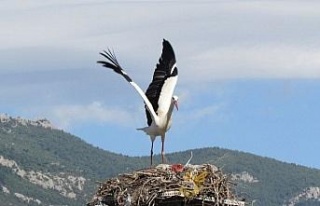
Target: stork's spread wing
x,y
113,64
164,80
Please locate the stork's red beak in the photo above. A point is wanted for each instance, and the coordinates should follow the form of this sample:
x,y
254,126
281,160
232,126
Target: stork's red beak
x,y
176,105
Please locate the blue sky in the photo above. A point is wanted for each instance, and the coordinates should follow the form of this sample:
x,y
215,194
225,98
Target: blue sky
x,y
248,72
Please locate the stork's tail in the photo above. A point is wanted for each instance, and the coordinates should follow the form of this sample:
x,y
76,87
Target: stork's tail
x,y
145,129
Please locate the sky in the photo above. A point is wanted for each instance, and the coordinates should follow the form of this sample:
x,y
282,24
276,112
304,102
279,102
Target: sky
x,y
249,72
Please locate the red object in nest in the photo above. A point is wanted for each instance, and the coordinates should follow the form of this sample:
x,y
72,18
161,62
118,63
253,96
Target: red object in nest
x,y
177,168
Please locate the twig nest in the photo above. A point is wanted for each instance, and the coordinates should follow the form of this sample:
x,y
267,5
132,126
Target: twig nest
x,y
155,186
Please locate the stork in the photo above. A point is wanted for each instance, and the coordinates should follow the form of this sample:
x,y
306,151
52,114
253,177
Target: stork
x,y
158,99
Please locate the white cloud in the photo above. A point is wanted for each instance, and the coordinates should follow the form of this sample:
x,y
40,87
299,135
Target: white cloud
x,y
265,61
66,116
205,112
212,39
192,116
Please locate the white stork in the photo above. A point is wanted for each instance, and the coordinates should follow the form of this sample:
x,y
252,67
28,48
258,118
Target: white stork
x,y
158,99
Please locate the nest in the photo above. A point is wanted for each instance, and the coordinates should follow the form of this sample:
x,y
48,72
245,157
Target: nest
x,y
167,185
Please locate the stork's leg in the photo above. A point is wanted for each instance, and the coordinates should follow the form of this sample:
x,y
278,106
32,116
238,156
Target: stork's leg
x,y
162,149
151,151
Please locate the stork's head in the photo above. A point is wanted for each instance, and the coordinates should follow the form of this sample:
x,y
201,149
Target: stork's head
x,y
174,101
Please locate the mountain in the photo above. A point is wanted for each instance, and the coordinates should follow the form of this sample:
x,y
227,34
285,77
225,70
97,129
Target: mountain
x,y
42,165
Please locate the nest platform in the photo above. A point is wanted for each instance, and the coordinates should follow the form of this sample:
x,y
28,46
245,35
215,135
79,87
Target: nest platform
x,y
168,185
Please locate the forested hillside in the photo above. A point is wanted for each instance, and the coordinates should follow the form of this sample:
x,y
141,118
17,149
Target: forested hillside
x,y
41,165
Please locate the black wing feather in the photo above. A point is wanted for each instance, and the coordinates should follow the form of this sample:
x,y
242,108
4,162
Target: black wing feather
x,y
113,64
162,71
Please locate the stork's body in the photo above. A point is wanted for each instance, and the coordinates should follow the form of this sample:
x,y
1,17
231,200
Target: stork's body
x,y
161,127
159,100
